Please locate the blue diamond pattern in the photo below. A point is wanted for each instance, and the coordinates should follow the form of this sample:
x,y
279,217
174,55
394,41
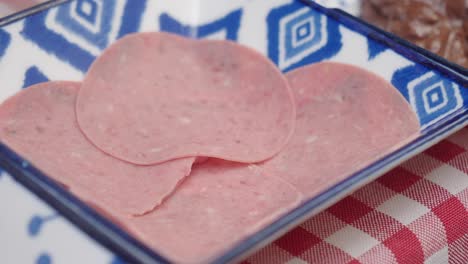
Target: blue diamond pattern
x,y
106,13
75,17
304,32
435,97
55,43
295,43
431,98
87,9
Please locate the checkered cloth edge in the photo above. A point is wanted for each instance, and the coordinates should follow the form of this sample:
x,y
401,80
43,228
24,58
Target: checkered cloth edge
x,y
416,213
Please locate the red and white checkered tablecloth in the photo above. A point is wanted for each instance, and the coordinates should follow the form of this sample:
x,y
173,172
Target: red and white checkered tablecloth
x,y
416,213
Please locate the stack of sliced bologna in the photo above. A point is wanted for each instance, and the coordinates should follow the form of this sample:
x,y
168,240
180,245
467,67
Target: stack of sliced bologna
x,y
192,145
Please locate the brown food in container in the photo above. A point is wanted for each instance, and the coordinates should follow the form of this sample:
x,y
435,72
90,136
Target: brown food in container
x,y
436,25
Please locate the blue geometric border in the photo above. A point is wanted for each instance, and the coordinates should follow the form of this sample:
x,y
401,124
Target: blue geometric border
x,y
374,48
431,95
230,23
54,43
81,17
90,21
307,40
133,13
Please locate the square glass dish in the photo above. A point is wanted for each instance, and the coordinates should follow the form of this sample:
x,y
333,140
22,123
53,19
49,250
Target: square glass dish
x,y
59,40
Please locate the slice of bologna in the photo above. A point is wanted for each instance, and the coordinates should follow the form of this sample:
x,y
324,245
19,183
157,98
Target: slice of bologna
x,y
347,117
153,97
39,123
220,204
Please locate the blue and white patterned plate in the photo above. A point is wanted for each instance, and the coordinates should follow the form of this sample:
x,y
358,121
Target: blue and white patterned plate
x,y
60,39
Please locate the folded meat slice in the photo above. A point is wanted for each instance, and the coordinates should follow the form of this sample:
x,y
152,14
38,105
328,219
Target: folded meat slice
x,y
347,117
153,97
39,123
220,204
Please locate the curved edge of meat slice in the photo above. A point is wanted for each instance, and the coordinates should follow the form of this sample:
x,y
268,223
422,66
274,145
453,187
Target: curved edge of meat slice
x,y
153,97
347,118
218,206
39,123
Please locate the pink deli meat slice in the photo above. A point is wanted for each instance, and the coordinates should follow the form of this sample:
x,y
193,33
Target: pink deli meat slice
x,y
39,123
153,97
346,118
220,204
